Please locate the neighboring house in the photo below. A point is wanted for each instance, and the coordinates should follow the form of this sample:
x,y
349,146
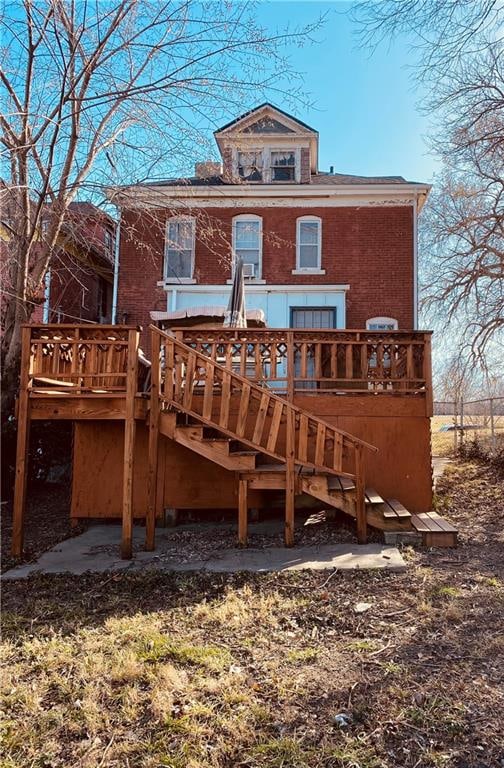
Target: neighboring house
x,y
321,249
79,283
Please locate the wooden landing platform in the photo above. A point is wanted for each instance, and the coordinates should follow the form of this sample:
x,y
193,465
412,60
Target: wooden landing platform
x,y
435,530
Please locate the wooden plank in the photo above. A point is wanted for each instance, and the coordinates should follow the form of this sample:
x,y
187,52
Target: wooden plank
x,y
225,399
152,479
275,426
242,511
290,478
320,445
129,446
273,361
303,438
189,380
318,360
373,497
208,391
304,361
334,361
348,361
385,510
260,419
346,483
23,438
241,422
338,451
398,508
444,524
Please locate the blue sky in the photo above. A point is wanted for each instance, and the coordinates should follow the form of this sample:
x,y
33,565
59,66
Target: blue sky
x,y
367,106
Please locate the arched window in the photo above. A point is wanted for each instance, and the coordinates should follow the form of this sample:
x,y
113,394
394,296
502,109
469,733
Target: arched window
x,y
247,243
309,244
179,249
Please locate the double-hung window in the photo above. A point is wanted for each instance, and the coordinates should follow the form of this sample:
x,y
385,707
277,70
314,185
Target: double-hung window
x,y
250,165
247,243
309,244
283,166
179,249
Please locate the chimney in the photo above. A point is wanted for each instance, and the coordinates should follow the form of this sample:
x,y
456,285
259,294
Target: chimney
x,y
331,169
207,169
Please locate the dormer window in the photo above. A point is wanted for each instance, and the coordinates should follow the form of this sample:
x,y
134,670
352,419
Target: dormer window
x,y
250,165
283,166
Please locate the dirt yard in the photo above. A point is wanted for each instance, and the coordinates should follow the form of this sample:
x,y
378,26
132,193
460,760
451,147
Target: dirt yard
x,y
268,671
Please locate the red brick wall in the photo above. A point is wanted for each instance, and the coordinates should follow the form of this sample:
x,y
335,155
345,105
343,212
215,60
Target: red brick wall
x,y
305,177
75,292
369,248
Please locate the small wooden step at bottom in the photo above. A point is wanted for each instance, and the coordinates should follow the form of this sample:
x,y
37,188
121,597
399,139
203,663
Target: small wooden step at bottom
x,y
435,530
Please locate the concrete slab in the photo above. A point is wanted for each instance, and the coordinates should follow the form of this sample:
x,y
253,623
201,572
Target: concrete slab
x,y
97,551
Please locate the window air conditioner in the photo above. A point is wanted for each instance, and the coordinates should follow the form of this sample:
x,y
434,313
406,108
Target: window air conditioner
x,y
249,270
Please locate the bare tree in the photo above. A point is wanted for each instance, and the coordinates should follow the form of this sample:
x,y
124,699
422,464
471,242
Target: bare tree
x,y
460,54
101,92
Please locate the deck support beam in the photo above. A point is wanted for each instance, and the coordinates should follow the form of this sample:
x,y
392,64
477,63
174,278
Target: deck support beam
x,y
150,521
360,498
290,478
23,438
242,511
129,446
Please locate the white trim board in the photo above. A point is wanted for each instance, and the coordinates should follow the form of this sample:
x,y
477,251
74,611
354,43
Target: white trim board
x,y
257,288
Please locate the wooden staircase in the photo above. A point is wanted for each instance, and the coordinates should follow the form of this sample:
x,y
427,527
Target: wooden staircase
x,y
268,442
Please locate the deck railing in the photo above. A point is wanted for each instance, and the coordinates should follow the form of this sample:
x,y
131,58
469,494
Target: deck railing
x,y
79,359
296,360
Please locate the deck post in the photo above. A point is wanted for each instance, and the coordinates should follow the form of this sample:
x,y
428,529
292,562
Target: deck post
x,y
242,511
290,366
360,500
129,445
290,477
427,373
23,438
150,521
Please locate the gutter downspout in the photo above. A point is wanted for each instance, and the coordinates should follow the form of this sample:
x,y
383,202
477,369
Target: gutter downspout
x,y
116,268
415,264
47,296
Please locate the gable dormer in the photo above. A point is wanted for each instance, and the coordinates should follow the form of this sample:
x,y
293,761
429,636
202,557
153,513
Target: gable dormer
x,y
268,146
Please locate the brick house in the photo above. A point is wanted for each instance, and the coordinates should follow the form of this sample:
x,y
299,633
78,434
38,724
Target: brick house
x,y
321,249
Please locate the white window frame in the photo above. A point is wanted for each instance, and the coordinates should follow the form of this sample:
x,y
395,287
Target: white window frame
x,y
297,163
251,150
170,278
249,217
308,270
382,321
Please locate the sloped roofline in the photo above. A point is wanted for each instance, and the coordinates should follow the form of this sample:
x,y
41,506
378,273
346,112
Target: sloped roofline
x,y
257,109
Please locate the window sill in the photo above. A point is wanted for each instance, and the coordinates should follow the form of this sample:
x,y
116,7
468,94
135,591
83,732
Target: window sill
x,y
249,281
308,272
176,281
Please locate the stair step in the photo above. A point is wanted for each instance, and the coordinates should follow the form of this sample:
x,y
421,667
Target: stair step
x,y
372,497
340,483
435,530
398,508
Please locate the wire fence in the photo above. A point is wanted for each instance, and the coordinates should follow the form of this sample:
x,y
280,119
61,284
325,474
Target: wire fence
x,y
457,420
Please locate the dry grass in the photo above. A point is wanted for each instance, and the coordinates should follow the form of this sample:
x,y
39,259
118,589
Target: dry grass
x,y
214,671
443,443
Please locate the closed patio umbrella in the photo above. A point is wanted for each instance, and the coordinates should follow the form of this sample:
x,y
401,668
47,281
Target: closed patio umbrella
x,y
235,315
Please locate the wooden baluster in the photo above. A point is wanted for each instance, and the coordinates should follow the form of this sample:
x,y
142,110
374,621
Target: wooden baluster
x,y
304,360
225,399
338,452
363,364
129,445
275,426
303,439
241,422
208,391
259,371
379,362
360,499
229,356
261,418
168,383
290,366
410,369
318,361
349,361
243,359
334,361
242,511
273,361
189,380
393,362
290,478
150,520
320,445
23,438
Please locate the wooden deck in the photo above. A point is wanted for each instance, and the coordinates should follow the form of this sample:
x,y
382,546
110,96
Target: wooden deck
x,y
228,396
